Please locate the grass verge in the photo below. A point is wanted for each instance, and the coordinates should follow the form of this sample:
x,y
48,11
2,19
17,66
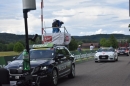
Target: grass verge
x,y
9,53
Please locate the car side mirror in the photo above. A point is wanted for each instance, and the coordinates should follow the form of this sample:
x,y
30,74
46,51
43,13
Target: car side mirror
x,y
14,57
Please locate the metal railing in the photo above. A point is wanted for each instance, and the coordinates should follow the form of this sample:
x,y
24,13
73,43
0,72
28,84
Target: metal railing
x,y
64,31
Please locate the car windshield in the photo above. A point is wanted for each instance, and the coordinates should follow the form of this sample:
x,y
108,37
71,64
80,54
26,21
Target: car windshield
x,y
122,48
39,54
106,50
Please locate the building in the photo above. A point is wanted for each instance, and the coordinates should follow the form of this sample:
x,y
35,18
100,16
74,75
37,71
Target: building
x,y
87,45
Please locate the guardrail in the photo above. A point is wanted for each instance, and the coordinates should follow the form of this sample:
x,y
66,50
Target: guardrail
x,y
87,55
83,54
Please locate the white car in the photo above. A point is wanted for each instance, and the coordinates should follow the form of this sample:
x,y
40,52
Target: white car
x,y
106,54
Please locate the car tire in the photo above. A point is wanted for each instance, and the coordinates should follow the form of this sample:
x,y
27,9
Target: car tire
x,y
127,54
96,61
114,59
54,78
117,59
72,73
4,76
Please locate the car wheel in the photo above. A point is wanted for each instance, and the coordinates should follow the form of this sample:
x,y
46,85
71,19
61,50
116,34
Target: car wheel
x,y
72,73
96,61
4,76
114,59
117,59
127,54
54,78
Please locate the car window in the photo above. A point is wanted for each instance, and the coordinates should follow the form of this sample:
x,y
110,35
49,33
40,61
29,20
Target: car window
x,y
66,52
39,54
106,50
122,48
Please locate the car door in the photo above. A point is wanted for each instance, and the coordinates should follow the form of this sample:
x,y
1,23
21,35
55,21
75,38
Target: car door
x,y
68,61
61,63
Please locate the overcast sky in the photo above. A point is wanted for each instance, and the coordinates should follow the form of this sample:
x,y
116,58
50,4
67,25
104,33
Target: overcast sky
x,y
80,17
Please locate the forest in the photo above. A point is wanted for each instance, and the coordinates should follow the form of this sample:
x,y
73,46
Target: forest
x,y
15,42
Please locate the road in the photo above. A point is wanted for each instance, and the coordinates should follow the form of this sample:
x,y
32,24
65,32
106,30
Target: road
x,y
101,74
90,73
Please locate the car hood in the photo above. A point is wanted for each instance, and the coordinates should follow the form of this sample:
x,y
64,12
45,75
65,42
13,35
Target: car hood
x,y
121,50
104,53
33,63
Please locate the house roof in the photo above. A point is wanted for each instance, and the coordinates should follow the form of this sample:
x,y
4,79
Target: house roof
x,y
88,44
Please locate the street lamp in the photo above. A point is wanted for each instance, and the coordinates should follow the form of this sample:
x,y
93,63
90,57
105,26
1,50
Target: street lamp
x,y
27,6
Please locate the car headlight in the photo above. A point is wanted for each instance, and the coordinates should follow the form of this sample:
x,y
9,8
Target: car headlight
x,y
96,55
20,68
110,55
44,68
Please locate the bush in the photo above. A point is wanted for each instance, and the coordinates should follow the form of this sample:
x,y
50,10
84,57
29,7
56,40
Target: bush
x,y
18,47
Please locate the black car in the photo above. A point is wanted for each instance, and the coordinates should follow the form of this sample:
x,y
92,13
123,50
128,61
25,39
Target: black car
x,y
123,51
55,62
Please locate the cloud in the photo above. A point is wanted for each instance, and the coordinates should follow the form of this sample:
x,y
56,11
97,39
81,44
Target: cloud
x,y
80,17
118,32
99,31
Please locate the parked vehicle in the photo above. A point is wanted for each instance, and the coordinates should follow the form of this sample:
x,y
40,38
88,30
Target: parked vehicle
x,y
106,54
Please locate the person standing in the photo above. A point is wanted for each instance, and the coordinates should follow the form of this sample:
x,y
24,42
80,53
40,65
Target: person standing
x,y
79,48
56,25
91,47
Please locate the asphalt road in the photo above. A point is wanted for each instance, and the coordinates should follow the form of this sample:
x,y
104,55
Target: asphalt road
x,y
89,73
101,74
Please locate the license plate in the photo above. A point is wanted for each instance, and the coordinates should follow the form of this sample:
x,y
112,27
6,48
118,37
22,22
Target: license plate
x,y
16,77
121,53
103,57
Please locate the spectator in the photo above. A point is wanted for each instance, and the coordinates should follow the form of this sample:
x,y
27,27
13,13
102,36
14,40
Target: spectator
x,y
79,48
91,47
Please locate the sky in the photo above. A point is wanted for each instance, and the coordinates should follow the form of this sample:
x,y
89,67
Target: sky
x,y
80,17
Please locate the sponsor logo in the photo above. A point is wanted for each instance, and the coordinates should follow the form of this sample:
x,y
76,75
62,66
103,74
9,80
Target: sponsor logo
x,y
67,38
48,39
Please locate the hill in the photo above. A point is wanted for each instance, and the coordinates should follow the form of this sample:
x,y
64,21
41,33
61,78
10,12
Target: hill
x,y
9,37
100,36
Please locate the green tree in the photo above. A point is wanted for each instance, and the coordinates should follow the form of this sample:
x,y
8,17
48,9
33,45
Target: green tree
x,y
84,41
113,41
73,44
103,42
22,42
3,47
10,46
128,40
107,43
18,47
